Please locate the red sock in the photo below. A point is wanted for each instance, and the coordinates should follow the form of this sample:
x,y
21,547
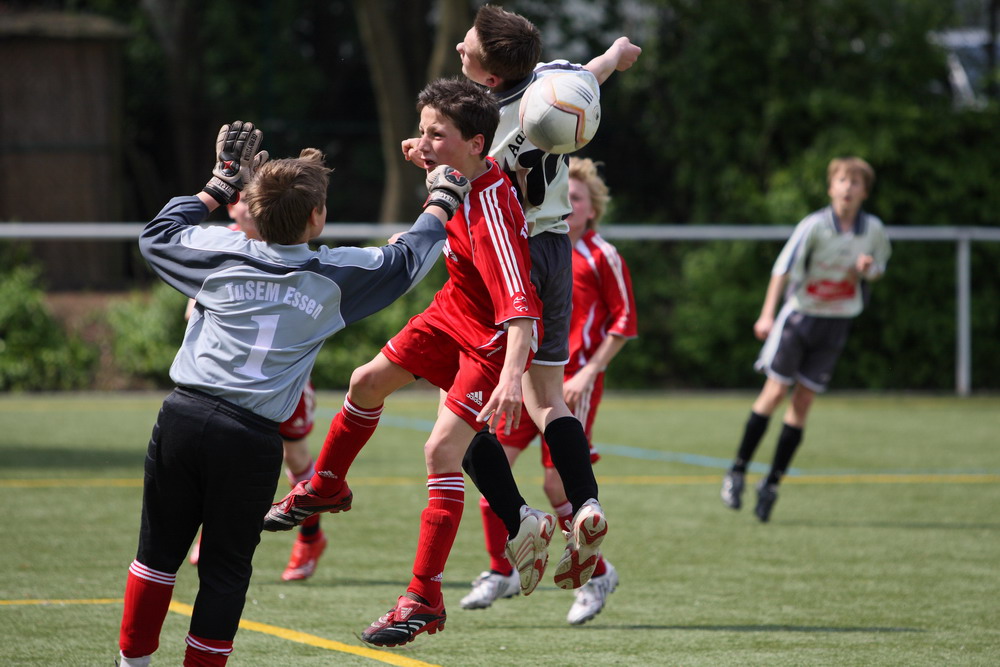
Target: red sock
x,y
438,527
202,652
349,431
495,533
147,598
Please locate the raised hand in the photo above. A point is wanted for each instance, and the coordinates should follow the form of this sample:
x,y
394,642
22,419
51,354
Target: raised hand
x,y
237,160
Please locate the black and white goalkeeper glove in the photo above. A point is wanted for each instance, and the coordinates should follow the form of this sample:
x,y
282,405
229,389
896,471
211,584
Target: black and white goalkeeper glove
x,y
446,187
236,161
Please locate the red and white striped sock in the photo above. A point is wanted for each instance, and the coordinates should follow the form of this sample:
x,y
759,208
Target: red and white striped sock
x,y
350,430
438,527
203,652
147,599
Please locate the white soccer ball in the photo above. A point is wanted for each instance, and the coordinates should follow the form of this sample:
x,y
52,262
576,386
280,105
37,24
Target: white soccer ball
x,y
560,113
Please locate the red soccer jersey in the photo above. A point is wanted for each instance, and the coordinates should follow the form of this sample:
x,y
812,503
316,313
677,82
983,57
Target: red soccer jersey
x,y
602,299
488,266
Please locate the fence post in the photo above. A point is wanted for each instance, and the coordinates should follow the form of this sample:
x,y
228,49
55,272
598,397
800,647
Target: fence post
x,y
963,341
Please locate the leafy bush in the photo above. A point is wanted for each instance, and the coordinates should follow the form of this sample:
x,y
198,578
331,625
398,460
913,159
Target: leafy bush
x,y
148,328
35,352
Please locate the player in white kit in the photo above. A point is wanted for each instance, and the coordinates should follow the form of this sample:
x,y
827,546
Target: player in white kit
x,y
826,264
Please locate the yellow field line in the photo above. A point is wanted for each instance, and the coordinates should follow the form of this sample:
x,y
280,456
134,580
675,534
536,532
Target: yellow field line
x,y
5,603
853,478
253,626
313,640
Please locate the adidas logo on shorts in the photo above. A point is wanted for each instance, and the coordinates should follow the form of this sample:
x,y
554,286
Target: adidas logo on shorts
x,y
476,397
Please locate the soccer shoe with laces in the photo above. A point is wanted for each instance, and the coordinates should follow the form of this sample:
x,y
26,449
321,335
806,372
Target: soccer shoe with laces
x,y
582,546
590,597
301,503
405,621
305,556
767,495
732,490
528,551
491,586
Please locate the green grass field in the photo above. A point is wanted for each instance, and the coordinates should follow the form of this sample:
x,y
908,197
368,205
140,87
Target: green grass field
x,y
884,548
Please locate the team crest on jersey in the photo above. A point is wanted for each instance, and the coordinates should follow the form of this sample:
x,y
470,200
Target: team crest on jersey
x,y
521,303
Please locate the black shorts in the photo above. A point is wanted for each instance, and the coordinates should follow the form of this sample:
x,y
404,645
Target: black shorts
x,y
552,276
804,348
213,465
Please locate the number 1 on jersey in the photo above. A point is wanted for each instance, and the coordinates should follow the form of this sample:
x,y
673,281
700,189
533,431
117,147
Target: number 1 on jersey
x,y
266,326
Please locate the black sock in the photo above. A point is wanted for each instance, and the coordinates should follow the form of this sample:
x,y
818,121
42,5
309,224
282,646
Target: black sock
x,y
570,452
788,442
488,468
752,433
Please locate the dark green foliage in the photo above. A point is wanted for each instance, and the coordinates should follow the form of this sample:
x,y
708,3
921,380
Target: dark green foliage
x,y
35,352
148,329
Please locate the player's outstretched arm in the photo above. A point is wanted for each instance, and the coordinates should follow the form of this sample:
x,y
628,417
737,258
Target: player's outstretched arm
x,y
620,56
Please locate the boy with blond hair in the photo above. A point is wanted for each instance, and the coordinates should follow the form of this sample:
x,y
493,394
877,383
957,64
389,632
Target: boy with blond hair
x,y
823,271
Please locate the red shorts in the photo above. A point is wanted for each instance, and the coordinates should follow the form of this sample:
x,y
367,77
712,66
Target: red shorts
x,y
469,376
526,431
300,424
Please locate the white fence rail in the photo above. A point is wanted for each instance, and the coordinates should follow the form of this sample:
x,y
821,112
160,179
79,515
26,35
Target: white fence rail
x,y
962,237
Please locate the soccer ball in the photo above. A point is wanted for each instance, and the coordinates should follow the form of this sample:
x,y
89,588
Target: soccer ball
x,y
560,113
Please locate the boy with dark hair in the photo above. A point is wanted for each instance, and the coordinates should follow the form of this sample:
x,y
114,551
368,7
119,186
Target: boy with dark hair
x,y
263,309
826,265
501,51
473,341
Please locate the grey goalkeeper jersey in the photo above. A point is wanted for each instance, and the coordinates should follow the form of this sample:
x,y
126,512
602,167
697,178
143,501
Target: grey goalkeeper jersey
x,y
263,311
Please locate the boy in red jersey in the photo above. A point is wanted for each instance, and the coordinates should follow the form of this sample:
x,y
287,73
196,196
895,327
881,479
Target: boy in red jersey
x,y
602,320
474,340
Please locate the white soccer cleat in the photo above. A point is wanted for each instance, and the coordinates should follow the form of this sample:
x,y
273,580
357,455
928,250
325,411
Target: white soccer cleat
x,y
489,587
528,551
590,597
122,661
582,547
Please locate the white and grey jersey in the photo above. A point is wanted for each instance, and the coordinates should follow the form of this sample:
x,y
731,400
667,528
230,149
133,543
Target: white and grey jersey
x,y
263,310
819,259
541,179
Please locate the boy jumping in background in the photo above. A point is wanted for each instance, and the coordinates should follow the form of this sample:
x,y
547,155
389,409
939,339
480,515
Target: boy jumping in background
x,y
826,264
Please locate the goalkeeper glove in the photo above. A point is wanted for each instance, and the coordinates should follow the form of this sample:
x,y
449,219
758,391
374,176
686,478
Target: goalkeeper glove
x,y
236,161
446,187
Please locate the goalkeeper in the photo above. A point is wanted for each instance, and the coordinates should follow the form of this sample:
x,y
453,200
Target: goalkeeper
x,y
263,309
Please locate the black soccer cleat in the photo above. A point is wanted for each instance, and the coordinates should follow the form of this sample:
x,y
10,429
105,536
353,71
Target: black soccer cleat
x,y
732,490
767,495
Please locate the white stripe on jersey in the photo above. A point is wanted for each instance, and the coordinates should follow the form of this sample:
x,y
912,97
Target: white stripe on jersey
x,y
615,262
500,235
149,574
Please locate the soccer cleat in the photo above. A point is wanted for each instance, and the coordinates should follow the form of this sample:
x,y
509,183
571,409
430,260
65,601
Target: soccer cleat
x,y
732,490
767,495
590,597
305,556
405,621
582,547
301,503
491,586
528,551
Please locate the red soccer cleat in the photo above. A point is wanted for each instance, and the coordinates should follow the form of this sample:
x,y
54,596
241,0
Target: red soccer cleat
x,y
304,558
405,621
301,503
